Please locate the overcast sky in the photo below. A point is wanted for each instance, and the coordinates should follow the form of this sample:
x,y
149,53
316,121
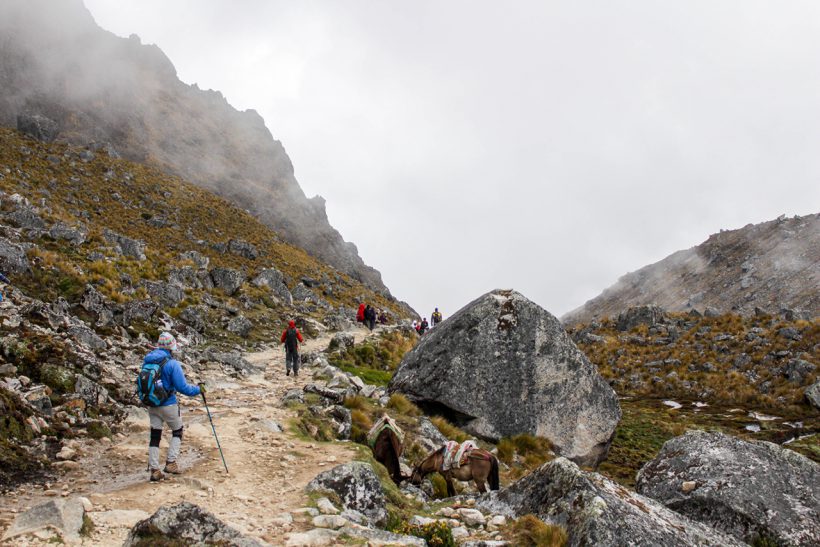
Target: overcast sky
x,y
549,147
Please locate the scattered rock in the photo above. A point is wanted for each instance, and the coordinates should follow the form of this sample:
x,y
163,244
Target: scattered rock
x,y
326,507
168,294
38,127
751,490
200,261
640,315
132,248
13,259
186,523
797,370
61,231
64,515
341,341
243,249
550,388
317,536
240,325
333,522
597,511
377,538
357,486
812,395
227,279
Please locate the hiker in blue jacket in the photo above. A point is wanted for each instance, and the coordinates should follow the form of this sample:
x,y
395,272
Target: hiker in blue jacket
x,y
173,380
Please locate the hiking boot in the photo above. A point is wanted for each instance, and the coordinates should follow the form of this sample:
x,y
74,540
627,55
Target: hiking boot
x,y
296,373
156,475
172,468
287,373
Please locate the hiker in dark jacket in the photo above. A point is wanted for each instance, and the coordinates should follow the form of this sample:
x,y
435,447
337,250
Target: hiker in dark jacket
x,y
423,326
370,317
173,380
291,337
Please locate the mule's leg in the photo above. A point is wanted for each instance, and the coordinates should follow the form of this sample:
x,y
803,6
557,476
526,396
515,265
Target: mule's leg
x,y
481,485
451,489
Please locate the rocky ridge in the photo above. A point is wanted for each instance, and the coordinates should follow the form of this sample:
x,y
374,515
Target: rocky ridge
x,y
769,266
66,79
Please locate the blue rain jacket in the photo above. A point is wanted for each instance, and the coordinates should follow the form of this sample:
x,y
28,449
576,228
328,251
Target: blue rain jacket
x,y
172,377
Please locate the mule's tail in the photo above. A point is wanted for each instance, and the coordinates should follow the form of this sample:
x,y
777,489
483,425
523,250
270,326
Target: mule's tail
x,y
493,478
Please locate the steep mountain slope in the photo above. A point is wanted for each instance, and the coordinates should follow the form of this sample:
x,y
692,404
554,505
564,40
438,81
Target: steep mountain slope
x,y
102,254
56,62
769,265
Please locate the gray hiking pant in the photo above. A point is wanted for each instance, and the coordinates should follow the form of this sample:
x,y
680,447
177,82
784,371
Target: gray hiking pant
x,y
292,361
159,416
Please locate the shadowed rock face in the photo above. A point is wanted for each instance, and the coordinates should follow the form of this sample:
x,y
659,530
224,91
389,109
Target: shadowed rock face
x,y
63,77
751,490
596,511
502,366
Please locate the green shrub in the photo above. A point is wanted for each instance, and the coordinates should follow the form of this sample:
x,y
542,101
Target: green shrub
x,y
436,534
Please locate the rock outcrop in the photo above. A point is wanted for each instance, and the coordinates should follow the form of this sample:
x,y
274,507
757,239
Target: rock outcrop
x,y
65,78
767,266
597,511
502,366
754,491
357,486
63,515
186,524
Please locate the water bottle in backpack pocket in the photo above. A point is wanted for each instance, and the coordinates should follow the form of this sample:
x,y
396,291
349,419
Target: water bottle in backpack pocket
x,y
149,384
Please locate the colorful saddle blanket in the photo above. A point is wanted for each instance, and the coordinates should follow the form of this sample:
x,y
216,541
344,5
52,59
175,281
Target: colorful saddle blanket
x,y
455,455
385,422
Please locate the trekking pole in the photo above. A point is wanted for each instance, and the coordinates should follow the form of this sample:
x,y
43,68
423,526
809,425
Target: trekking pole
x,y
214,430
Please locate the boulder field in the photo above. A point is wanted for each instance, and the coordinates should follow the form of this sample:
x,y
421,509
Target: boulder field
x,y
504,366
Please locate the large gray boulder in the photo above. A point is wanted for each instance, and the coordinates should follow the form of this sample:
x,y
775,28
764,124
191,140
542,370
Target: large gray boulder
x,y
597,511
13,259
132,248
168,294
357,486
63,515
640,315
63,232
37,126
186,524
274,280
812,395
227,279
752,490
243,249
502,366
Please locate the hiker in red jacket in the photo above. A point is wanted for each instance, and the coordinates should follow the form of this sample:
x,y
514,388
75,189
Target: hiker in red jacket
x,y
291,337
360,313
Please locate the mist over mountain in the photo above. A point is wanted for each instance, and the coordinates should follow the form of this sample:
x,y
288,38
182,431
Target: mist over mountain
x,y
55,61
769,265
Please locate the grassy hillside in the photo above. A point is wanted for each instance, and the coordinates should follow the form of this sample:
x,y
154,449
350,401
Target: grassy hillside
x,y
92,190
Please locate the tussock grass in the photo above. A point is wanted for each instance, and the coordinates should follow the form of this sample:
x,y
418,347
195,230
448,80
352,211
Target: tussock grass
x,y
402,405
530,531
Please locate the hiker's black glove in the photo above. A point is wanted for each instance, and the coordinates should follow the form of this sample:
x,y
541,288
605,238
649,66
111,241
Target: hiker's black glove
x,y
202,388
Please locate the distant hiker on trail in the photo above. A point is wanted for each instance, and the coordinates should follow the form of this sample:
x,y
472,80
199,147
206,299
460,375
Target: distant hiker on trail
x,y
435,319
360,313
291,337
383,317
415,326
370,317
423,326
165,408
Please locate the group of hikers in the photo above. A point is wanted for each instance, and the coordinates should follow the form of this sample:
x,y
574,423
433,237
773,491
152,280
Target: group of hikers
x,y
369,315
422,326
161,378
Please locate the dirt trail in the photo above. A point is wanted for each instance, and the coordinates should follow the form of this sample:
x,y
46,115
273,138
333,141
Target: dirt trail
x,y
268,470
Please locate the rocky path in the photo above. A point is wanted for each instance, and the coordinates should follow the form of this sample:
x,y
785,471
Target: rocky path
x,y
268,468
